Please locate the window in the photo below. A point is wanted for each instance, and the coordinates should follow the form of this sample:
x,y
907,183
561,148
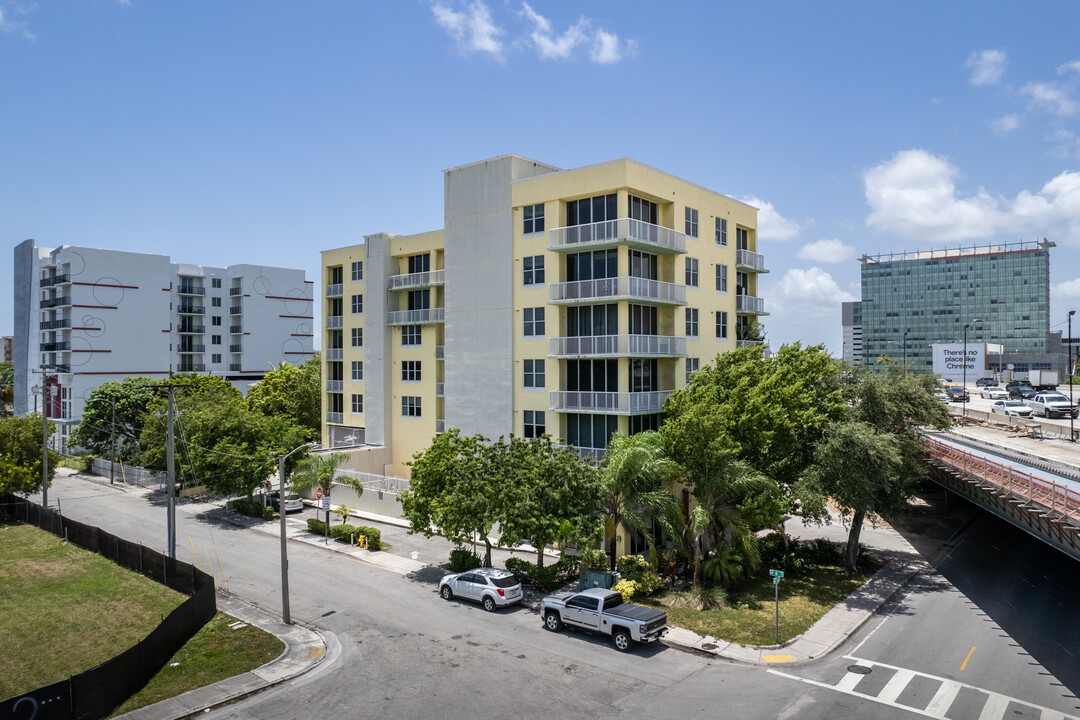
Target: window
x,y
691,322
721,278
419,263
592,210
534,219
357,369
410,406
410,371
534,374
419,299
721,232
643,210
534,322
335,275
358,337
357,404
216,320
533,267
692,366
721,325
358,271
534,423
592,320
357,304
691,272
215,339
215,302
215,282
691,222
215,358
410,334
592,265
742,239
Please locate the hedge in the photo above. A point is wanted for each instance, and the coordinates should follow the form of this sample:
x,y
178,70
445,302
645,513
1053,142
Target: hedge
x,y
347,533
253,508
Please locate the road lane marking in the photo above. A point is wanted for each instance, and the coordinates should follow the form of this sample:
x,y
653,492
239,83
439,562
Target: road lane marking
x,y
778,658
943,698
869,636
895,686
995,707
849,681
970,653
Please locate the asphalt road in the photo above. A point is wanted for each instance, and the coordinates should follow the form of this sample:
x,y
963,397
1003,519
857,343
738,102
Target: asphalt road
x,y
397,650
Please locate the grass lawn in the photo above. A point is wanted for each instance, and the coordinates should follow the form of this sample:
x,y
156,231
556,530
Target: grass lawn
x,y
64,610
803,600
215,653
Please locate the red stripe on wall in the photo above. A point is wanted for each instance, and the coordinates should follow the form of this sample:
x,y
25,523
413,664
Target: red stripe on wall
x,y
127,287
92,351
121,372
282,297
299,317
97,307
302,335
300,353
87,328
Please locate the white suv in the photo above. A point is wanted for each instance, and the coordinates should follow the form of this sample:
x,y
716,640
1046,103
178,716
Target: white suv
x,y
491,587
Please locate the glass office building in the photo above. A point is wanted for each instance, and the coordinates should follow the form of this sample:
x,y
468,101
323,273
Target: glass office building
x,y
911,301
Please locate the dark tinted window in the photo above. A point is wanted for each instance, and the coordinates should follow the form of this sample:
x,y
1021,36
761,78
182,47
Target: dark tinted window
x,y
585,603
612,600
504,582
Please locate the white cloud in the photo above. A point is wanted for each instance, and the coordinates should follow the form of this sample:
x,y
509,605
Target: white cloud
x,y
1068,290
605,48
1050,97
771,224
1065,144
804,305
826,251
913,195
987,66
813,291
1005,124
473,28
1073,66
7,25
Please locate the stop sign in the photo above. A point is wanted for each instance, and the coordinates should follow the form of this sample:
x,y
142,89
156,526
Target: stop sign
x,y
318,493
269,486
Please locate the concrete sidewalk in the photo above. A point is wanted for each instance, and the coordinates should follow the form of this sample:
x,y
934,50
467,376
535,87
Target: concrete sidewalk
x,y
304,649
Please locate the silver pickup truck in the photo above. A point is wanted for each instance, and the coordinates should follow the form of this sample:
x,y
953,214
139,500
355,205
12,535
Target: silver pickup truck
x,y
603,611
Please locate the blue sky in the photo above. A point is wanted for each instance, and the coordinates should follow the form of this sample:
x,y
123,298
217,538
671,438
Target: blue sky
x,y
263,132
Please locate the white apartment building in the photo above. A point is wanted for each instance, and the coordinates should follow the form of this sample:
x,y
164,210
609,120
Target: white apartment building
x,y
92,316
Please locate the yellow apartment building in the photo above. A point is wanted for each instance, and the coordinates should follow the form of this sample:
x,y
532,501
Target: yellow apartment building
x,y
567,302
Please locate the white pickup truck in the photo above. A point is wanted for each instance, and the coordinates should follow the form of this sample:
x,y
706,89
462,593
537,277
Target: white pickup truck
x,y
1051,404
603,611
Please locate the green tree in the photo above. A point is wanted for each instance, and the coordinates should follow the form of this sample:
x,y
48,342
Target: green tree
x,y
293,391
635,487
20,455
7,387
133,397
318,470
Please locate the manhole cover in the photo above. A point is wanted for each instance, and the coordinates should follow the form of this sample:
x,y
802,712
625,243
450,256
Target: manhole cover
x,y
859,669
708,646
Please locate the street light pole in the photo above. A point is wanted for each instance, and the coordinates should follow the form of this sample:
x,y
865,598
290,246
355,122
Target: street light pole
x,y
44,438
905,349
1071,370
963,390
285,616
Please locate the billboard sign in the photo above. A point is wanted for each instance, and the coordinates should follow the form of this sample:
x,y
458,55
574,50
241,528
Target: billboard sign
x,y
950,361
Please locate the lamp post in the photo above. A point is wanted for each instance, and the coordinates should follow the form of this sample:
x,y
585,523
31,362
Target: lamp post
x,y
1072,371
964,396
44,388
285,616
112,435
905,349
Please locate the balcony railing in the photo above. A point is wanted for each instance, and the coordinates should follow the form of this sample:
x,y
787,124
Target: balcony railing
x,y
233,292
594,454
335,353
55,347
440,425
335,386
55,280
55,324
430,278
191,309
236,329
440,352
415,317
618,288
749,343
439,388
747,260
621,403
335,321
63,368
617,346
333,417
192,349
234,367
236,348
191,329
609,233
191,290
236,310
334,290
55,302
749,305
192,367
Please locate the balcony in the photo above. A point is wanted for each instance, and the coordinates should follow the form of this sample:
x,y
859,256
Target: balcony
x,y
334,321
233,292
55,324
333,291
335,386
236,310
236,329
192,349
410,281
191,309
593,454
659,346
440,352
749,305
333,417
236,348
415,317
62,368
191,367
440,425
750,261
439,388
191,290
55,302
749,343
54,280
612,233
55,347
191,329
335,353
651,292
612,403
234,367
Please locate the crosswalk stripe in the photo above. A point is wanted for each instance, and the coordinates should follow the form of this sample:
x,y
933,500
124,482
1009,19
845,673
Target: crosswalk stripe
x,y
895,686
995,707
849,681
943,698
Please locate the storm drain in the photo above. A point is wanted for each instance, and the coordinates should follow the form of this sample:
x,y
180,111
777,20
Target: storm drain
x,y
709,646
858,669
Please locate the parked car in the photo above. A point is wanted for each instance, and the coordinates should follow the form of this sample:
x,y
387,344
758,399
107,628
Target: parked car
x,y
985,382
293,502
957,393
993,393
1011,407
603,611
941,395
1021,392
491,587
1051,404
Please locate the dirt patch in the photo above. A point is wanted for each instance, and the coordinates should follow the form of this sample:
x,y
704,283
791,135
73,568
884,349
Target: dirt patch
x,y
30,568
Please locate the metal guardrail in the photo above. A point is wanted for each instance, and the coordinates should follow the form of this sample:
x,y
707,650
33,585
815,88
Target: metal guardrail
x,y
610,232
334,321
190,290
749,260
608,402
191,329
415,317
617,345
334,353
334,290
749,304
430,278
335,417
628,287
380,483
334,385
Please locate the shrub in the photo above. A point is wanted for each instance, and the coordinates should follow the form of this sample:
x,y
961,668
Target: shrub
x,y
463,559
342,532
352,533
253,508
316,526
638,570
373,537
544,578
627,588
799,555
595,559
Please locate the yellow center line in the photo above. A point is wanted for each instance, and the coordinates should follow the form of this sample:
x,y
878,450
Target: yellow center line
x,y
970,653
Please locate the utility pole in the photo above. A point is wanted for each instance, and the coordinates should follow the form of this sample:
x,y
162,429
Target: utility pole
x,y
112,443
171,472
44,436
1072,371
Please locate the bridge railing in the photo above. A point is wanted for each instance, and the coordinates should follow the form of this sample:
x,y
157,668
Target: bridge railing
x,y
1058,498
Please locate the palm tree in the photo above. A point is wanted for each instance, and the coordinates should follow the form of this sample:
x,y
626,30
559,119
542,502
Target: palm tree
x,y
317,470
635,476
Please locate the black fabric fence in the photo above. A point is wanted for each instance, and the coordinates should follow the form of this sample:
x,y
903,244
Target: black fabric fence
x,y
97,692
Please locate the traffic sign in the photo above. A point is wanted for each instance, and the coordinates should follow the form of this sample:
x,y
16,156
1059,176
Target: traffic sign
x,y
325,504
318,493
269,486
777,573
776,581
